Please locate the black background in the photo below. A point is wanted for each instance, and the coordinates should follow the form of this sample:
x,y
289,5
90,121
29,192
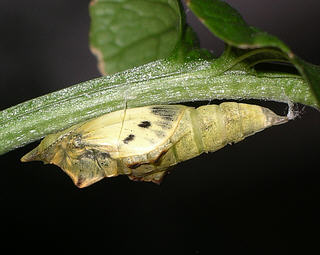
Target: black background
x,y
259,196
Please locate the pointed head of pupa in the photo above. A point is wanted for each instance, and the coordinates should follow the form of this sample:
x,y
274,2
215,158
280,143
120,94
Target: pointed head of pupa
x,y
46,150
33,155
48,147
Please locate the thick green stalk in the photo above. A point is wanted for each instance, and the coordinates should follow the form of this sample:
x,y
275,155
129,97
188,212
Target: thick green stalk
x,y
159,82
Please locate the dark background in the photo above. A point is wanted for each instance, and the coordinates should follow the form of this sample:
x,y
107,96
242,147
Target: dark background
x,y
256,197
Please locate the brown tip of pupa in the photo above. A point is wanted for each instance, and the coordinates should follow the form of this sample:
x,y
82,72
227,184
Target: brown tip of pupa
x,y
274,119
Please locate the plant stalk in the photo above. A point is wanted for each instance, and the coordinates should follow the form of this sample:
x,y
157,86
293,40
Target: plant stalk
x,y
160,82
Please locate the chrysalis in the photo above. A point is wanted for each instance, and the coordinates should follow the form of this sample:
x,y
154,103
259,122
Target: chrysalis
x,y
143,142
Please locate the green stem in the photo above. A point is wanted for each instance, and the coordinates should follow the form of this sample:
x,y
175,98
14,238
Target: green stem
x,y
159,82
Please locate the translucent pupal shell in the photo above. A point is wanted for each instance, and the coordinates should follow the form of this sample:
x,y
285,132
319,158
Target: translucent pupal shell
x,y
144,142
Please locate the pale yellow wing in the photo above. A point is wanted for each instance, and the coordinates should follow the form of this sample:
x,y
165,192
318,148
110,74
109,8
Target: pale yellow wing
x,y
133,131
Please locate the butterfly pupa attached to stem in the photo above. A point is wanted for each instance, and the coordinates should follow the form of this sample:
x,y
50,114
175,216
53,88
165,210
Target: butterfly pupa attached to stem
x,y
149,139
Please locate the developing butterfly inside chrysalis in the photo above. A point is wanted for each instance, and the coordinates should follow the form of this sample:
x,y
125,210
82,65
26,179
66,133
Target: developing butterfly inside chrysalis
x,y
144,142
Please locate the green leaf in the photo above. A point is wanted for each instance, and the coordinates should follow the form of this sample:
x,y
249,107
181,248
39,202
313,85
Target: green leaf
x,y
129,33
188,48
227,24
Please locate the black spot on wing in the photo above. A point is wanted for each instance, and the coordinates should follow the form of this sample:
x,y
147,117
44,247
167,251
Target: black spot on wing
x,y
164,112
145,124
128,139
